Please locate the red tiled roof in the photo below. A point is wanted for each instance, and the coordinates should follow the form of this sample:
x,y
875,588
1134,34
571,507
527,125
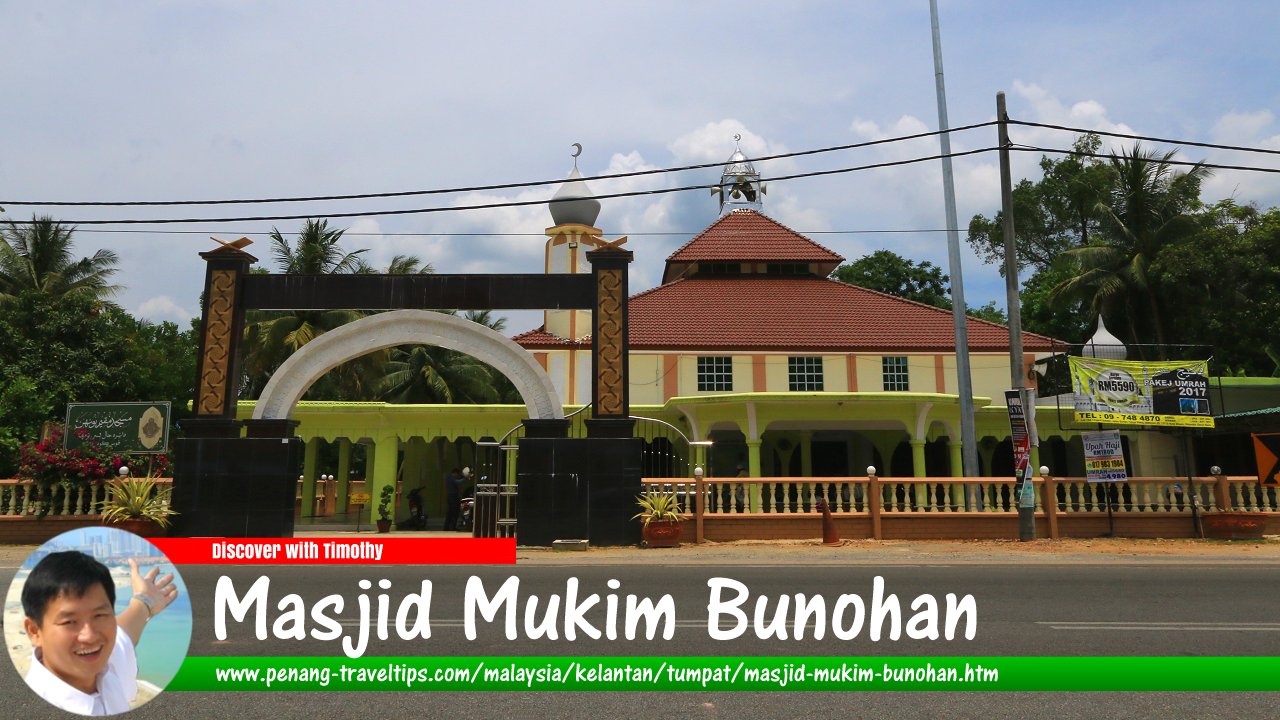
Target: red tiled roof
x,y
747,235
797,312
540,339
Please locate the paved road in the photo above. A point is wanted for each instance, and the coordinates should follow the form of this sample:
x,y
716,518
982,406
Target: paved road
x,y
1125,606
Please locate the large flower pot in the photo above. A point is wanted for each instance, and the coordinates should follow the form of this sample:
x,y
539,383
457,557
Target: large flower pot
x,y
141,527
384,526
1235,525
661,533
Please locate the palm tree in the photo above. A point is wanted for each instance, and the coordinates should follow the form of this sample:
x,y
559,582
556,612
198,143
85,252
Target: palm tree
x,y
1147,210
271,337
431,374
37,257
315,252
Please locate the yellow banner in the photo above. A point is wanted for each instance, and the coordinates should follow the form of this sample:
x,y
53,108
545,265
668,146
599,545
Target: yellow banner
x,y
1120,392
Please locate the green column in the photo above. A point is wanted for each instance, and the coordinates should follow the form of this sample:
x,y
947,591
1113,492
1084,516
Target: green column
x,y
310,463
753,458
384,472
344,474
806,454
957,470
754,470
918,469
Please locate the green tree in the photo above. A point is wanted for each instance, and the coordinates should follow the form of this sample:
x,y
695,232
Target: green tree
x,y
432,374
271,337
1059,212
889,272
38,257
1222,286
1148,209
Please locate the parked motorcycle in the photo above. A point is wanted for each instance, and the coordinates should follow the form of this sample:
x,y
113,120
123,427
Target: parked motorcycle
x,y
466,510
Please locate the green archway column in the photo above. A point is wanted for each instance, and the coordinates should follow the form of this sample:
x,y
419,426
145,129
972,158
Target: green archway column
x,y
344,474
310,469
385,461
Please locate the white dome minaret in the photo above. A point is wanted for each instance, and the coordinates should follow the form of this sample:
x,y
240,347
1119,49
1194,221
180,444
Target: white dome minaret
x,y
573,211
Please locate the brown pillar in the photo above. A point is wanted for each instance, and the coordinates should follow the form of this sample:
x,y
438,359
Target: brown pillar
x,y
610,391
221,328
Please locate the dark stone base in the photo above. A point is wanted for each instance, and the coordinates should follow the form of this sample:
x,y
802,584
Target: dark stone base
x,y
572,489
610,427
235,487
204,427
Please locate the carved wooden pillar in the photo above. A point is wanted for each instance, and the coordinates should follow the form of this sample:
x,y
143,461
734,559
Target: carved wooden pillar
x,y
610,391
222,327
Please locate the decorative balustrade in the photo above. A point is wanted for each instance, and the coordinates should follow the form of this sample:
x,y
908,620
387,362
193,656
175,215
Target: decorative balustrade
x,y
20,498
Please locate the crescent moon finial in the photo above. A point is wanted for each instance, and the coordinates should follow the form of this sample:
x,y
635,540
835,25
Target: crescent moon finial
x,y
737,137
577,150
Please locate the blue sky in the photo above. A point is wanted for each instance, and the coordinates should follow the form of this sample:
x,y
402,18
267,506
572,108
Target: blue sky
x,y
166,100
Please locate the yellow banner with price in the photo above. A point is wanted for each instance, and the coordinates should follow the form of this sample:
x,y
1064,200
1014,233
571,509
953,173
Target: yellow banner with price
x,y
1119,392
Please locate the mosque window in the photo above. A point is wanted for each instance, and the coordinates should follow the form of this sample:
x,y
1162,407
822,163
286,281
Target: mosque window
x,y
804,374
720,268
715,374
896,377
787,269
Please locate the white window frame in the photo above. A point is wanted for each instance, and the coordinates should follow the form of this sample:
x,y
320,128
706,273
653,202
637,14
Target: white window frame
x,y
896,373
715,373
804,373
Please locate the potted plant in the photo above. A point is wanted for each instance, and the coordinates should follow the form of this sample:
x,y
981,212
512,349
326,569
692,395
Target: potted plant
x,y
1234,525
138,505
384,508
660,517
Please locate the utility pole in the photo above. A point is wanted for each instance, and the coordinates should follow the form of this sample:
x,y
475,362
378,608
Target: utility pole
x,y
964,379
1017,374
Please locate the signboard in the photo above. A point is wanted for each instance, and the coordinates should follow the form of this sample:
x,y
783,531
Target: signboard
x,y
1022,430
1119,392
358,498
1266,449
1104,456
127,427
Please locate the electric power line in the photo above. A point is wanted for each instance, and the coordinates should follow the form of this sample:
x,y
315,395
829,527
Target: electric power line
x,y
511,203
1148,138
683,233
478,188
1112,156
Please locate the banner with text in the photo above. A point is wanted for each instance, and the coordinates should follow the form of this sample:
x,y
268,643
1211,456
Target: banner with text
x,y
1104,456
1124,392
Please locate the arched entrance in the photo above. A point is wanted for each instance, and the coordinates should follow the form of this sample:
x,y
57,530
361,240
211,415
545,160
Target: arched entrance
x,y
404,327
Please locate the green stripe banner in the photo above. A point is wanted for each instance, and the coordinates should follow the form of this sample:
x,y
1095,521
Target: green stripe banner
x,y
755,674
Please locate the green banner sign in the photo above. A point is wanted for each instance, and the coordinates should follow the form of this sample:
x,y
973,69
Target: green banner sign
x,y
752,674
127,427
1120,392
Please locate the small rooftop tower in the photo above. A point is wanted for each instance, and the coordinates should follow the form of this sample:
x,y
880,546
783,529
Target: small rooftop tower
x,y
740,185
574,210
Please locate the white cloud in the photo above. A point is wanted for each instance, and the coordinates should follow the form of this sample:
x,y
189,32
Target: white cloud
x,y
162,307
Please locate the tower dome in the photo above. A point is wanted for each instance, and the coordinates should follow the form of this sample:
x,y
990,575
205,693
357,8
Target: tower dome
x,y
573,203
740,185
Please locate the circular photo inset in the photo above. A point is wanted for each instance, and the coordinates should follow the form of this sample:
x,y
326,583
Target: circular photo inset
x,y
97,621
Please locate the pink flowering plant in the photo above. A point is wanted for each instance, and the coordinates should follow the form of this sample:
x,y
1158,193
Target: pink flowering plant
x,y
47,464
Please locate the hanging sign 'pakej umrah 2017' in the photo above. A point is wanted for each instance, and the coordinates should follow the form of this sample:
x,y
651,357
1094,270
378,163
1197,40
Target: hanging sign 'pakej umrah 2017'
x,y
1141,393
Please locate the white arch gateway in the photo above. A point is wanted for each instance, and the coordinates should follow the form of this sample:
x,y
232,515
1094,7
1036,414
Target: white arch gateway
x,y
406,327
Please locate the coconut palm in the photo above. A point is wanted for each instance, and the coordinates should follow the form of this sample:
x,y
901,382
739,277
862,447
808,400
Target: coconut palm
x,y
431,374
37,257
1148,209
271,337
315,251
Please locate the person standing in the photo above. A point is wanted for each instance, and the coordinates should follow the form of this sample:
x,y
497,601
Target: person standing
x,y
453,487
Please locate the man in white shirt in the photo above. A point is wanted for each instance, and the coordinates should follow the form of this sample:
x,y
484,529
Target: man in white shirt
x,y
81,662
